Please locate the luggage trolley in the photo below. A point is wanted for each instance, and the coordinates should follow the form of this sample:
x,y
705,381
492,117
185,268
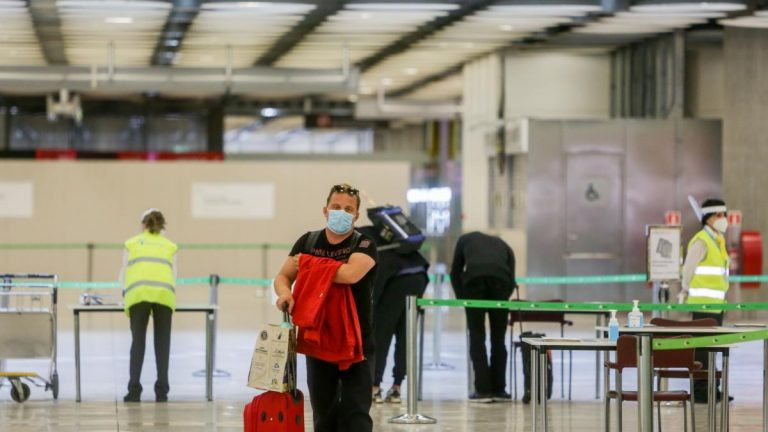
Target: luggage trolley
x,y
28,329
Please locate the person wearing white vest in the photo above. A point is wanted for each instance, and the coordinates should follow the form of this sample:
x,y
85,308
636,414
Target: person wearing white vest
x,y
705,274
148,278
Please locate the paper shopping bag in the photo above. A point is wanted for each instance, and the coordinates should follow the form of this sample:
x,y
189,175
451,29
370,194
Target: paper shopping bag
x,y
275,347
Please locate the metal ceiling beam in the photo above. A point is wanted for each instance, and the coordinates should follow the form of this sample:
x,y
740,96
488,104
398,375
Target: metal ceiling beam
x,y
467,8
174,31
292,38
45,18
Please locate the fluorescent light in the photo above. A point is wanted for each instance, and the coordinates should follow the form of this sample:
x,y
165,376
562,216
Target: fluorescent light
x,y
402,6
748,22
688,6
118,20
411,71
386,81
506,27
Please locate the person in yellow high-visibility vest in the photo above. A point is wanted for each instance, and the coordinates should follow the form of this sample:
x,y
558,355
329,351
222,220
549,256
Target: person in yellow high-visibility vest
x,y
148,278
705,274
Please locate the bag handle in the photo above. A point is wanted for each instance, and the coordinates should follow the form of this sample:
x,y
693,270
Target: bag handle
x,y
291,367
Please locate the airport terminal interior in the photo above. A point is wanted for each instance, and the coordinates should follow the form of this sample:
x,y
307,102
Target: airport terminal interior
x,y
615,147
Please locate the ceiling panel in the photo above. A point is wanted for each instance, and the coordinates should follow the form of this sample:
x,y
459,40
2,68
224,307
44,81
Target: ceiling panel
x,y
479,33
18,41
97,32
239,32
362,29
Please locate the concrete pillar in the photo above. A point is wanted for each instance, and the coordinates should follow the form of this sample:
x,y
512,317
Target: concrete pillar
x,y
745,129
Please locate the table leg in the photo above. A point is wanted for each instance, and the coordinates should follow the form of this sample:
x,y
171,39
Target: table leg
x,y
77,356
543,387
724,405
598,322
765,385
534,388
711,402
209,355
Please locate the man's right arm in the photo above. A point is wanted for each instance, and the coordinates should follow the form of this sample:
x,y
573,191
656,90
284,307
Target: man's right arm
x,y
283,282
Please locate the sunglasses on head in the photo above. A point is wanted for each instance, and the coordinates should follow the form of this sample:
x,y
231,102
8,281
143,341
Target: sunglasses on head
x,y
345,189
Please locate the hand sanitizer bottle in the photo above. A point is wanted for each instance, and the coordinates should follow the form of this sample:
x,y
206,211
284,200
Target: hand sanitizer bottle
x,y
635,318
613,327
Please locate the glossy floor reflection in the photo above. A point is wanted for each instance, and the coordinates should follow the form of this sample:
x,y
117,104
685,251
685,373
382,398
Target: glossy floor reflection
x,y
105,374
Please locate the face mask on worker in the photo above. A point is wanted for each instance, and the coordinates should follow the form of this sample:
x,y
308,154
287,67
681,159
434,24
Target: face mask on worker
x,y
721,225
339,221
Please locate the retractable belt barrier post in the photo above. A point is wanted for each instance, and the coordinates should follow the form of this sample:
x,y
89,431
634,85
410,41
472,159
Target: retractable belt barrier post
x,y
412,416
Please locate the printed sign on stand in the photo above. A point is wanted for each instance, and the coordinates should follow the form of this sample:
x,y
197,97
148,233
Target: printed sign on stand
x,y
663,252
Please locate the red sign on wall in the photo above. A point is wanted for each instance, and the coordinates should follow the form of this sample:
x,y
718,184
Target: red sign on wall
x,y
734,218
672,217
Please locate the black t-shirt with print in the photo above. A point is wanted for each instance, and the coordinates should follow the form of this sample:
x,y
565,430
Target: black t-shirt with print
x,y
363,289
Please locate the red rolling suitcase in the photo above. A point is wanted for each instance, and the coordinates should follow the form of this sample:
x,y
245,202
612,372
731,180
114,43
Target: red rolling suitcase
x,y
274,411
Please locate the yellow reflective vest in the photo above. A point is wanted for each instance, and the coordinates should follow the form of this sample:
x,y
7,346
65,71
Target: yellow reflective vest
x,y
149,274
710,281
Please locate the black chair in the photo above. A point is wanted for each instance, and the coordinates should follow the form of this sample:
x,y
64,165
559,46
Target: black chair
x,y
555,317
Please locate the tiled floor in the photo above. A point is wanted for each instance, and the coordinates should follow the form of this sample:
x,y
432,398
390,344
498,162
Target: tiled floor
x,y
105,365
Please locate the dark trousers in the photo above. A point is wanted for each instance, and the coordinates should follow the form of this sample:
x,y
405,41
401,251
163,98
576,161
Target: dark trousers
x,y
489,376
341,400
700,386
389,320
162,323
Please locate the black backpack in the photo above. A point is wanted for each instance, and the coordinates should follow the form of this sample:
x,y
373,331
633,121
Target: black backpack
x,y
315,235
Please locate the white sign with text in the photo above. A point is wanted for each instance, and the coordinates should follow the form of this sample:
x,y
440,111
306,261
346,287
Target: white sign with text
x,y
233,200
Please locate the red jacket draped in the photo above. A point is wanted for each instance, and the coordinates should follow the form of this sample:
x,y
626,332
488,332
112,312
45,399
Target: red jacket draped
x,y
325,314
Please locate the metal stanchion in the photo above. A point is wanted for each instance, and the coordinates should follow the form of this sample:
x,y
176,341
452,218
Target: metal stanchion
x,y
724,389
265,260
420,369
711,387
437,331
765,385
412,417
644,384
213,299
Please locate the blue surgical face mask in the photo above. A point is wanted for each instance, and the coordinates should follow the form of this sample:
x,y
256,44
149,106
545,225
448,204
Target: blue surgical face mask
x,y
339,221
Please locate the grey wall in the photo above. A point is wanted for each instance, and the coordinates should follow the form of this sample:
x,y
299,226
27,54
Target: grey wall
x,y
637,170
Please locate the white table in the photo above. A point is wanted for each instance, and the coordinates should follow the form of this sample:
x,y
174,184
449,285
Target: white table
x,y
709,331
208,310
539,348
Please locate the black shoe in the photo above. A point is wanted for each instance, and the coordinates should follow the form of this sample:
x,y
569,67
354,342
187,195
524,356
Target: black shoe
x,y
527,397
480,398
702,398
502,397
161,398
132,397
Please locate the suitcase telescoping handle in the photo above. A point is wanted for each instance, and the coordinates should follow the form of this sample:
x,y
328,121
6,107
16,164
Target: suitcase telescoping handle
x,y
286,318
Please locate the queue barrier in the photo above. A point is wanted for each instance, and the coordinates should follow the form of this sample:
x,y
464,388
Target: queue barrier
x,y
646,346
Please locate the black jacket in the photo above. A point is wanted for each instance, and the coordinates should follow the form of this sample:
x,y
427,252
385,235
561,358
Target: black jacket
x,y
481,255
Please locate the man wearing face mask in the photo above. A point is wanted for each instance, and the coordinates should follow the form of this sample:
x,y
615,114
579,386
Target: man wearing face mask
x,y
705,274
341,399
